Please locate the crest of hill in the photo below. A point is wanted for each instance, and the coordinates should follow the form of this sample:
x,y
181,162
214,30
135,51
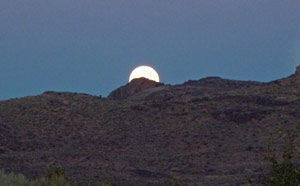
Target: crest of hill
x,y
220,82
133,87
292,80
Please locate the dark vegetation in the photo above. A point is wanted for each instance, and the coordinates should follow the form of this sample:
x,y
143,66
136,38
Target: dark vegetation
x,y
284,168
55,177
281,171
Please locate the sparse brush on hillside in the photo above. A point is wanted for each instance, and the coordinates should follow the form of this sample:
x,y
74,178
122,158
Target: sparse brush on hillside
x,y
204,132
55,177
109,183
283,169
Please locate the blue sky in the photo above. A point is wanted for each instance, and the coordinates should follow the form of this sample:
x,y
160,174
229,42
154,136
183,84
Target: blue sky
x,y
91,46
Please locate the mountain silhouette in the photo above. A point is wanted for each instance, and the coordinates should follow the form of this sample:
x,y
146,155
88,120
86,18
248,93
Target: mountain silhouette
x,y
210,131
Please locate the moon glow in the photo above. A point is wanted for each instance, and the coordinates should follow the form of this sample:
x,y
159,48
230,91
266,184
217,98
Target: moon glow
x,y
145,72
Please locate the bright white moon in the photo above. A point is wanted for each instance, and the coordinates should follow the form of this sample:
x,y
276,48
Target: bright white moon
x,y
145,72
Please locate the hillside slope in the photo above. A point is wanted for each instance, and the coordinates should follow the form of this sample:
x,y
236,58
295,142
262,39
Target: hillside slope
x,y
206,132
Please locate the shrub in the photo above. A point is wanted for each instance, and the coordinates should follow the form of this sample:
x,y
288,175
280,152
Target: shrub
x,y
283,171
55,177
13,180
109,183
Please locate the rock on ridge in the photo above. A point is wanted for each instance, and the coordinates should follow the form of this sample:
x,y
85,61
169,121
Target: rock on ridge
x,y
291,80
135,86
297,71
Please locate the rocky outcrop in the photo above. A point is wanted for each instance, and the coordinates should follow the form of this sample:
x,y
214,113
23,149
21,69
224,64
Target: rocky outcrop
x,y
297,71
135,86
290,80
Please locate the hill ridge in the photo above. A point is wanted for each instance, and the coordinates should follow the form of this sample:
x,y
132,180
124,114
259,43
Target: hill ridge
x,y
205,132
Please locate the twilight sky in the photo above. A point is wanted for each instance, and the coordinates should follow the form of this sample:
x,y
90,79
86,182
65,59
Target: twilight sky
x,y
91,46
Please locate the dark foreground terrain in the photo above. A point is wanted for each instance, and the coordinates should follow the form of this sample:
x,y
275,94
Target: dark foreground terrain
x,y
207,132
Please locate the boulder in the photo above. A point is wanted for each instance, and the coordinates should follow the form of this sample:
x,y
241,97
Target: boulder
x,y
134,87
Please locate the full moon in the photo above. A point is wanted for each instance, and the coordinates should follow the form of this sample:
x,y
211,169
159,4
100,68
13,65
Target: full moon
x,y
145,72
